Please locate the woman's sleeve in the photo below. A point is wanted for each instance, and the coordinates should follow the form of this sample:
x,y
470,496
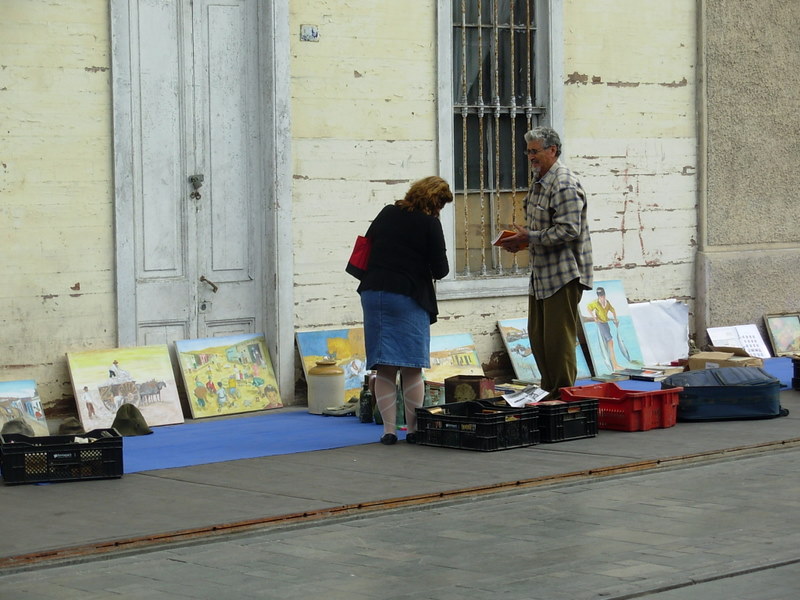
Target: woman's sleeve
x,y
438,254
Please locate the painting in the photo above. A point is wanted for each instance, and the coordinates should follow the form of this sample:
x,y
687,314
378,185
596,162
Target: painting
x,y
20,400
452,354
514,333
784,333
228,375
609,329
345,346
104,380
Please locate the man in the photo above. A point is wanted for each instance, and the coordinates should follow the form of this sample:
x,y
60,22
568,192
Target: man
x,y
557,236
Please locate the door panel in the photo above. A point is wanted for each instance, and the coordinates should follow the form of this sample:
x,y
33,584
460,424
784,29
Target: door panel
x,y
230,222
195,105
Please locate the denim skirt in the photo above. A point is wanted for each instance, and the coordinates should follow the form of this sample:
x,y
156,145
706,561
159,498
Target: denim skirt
x,y
397,330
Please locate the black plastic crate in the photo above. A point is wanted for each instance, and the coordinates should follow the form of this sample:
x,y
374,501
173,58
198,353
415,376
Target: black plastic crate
x,y
477,425
571,420
25,459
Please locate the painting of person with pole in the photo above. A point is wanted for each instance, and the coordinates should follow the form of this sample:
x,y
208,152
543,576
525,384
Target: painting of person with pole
x,y
602,311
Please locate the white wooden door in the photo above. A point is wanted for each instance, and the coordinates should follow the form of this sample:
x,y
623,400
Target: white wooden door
x,y
196,168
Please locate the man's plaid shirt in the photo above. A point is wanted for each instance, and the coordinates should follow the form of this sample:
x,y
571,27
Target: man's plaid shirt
x,y
559,242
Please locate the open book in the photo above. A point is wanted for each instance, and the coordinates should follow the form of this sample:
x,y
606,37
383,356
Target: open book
x,y
529,395
502,235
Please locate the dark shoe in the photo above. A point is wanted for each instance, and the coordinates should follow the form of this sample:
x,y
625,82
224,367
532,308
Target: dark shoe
x,y
388,439
412,438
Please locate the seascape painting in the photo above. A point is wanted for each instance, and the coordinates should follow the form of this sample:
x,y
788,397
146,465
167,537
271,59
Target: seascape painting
x,y
514,333
609,329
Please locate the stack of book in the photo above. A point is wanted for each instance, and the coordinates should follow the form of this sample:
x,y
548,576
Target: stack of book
x,y
657,373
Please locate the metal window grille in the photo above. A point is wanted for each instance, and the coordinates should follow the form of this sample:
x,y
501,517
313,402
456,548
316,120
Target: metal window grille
x,y
494,95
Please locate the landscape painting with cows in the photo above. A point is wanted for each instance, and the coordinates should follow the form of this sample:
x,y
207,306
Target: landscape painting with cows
x,y
104,380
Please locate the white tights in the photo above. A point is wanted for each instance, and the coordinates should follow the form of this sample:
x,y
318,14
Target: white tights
x,y
386,395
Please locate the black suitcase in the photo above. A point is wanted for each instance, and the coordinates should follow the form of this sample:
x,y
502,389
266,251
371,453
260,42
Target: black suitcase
x,y
726,393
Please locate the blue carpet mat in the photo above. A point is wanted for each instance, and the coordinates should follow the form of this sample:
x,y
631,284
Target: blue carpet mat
x,y
248,436
269,434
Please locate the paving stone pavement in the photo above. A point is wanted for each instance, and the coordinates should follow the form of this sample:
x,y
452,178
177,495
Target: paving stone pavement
x,y
722,529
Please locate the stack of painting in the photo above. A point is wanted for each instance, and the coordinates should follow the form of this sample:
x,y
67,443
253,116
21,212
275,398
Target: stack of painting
x,y
451,354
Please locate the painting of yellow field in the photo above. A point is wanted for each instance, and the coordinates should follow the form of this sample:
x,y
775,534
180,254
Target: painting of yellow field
x,y
228,375
345,346
104,380
452,354
19,401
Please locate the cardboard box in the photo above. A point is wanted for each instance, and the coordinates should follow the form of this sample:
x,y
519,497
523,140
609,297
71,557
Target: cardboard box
x,y
461,388
721,356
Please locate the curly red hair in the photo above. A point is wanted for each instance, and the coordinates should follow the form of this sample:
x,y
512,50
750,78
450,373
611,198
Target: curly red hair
x,y
428,195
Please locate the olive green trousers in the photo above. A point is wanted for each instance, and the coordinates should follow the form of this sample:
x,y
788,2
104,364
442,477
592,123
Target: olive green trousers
x,y
553,325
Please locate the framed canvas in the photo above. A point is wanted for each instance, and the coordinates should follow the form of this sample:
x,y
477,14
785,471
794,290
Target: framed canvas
x,y
345,346
784,333
228,375
609,329
20,400
514,333
452,354
104,380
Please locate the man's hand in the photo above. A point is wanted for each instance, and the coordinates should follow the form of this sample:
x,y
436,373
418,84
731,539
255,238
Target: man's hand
x,y
516,242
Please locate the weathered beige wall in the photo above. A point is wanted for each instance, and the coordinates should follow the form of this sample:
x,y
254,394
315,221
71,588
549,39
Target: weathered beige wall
x,y
749,237
56,214
630,133
363,127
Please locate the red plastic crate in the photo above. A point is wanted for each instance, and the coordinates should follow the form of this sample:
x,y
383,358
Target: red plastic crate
x,y
627,410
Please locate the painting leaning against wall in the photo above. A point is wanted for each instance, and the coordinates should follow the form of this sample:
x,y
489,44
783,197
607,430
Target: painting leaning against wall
x,y
19,400
228,375
104,380
345,346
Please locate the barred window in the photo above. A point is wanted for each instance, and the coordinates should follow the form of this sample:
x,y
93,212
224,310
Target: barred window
x,y
498,93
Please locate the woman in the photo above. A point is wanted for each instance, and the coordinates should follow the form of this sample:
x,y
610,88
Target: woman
x,y
398,298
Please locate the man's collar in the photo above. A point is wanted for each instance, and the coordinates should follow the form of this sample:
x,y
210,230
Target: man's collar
x,y
548,177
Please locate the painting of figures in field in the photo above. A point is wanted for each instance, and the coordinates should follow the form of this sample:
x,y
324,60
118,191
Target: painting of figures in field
x,y
228,375
514,333
345,346
19,400
104,380
452,354
609,329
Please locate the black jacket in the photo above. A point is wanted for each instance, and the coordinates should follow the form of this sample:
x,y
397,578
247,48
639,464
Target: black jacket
x,y
408,253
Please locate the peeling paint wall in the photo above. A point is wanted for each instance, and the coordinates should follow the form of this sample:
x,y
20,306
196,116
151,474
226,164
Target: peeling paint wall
x,y
56,214
630,133
364,126
750,243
